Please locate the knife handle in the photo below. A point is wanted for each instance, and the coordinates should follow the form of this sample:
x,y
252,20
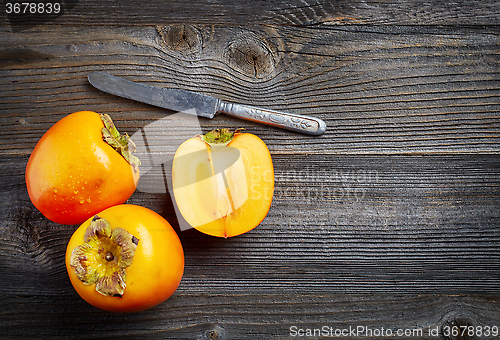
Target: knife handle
x,y
304,124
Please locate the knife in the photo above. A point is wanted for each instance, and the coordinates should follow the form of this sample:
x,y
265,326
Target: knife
x,y
202,105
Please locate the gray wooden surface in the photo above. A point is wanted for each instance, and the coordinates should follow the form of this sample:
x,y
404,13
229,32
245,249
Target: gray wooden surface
x,y
388,221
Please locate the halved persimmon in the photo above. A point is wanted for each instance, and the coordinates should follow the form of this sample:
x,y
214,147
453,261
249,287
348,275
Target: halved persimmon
x,y
223,182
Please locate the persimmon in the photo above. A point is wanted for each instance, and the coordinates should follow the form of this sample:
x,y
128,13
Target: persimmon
x,y
223,182
126,258
80,166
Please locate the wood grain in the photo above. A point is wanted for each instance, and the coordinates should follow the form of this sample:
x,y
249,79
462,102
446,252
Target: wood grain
x,y
372,224
388,90
389,220
262,12
227,316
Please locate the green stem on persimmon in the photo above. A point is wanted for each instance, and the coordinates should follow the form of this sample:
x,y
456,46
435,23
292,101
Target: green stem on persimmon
x,y
123,144
104,256
221,137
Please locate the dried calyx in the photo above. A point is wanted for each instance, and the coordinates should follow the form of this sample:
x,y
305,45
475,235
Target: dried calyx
x,y
104,257
123,144
219,137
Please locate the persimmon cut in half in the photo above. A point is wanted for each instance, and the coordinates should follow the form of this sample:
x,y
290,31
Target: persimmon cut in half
x,y
223,182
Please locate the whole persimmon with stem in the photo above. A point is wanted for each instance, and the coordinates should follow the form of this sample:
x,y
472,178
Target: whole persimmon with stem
x,y
81,166
223,182
126,258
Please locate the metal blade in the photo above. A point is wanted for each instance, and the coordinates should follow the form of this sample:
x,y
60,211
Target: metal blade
x,y
172,99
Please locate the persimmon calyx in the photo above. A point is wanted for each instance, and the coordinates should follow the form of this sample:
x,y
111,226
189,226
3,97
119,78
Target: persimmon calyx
x,y
122,143
104,257
219,137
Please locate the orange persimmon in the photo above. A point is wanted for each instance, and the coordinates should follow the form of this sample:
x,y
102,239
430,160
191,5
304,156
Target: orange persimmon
x,y
80,166
223,182
127,258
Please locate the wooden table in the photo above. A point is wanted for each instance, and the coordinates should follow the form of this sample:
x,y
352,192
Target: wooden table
x,y
387,225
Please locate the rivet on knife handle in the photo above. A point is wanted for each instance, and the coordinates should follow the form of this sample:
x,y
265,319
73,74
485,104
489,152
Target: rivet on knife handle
x,y
289,121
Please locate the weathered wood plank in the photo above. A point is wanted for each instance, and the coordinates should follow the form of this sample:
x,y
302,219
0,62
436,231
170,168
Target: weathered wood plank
x,y
381,90
338,224
262,12
249,316
388,221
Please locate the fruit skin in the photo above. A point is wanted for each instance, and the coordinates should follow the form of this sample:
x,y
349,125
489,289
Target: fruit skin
x,y
223,206
73,173
157,266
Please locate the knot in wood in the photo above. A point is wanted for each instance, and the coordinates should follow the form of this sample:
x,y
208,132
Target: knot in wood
x,y
459,326
251,56
213,335
216,333
185,39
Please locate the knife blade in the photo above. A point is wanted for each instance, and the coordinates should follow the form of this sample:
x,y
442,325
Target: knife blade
x,y
203,105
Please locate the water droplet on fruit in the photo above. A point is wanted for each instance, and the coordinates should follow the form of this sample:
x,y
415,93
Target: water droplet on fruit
x,y
82,201
55,191
75,192
88,200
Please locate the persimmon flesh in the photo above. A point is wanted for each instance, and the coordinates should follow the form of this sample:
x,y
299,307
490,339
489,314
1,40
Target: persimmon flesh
x,y
223,182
